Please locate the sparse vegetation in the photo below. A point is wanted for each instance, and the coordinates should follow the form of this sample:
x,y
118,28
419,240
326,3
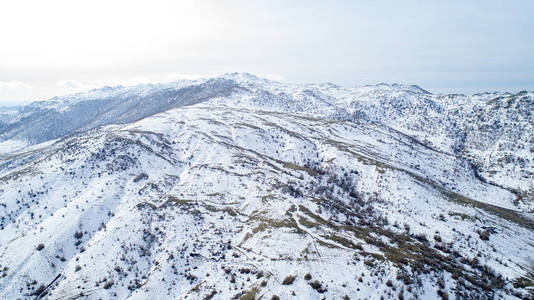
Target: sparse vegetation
x,y
289,280
250,295
108,284
484,235
444,295
316,285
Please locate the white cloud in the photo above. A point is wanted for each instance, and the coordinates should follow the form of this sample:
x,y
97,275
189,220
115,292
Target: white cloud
x,y
122,81
69,84
180,76
14,85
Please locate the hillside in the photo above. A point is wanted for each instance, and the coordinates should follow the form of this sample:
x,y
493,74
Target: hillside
x,y
240,187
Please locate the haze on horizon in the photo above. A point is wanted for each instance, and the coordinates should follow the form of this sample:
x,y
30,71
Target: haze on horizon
x,y
57,47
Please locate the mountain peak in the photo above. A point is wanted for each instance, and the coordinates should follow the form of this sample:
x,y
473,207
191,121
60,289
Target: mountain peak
x,y
241,76
399,87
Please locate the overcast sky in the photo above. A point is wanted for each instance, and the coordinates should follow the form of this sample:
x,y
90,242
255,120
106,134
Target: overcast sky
x,y
55,47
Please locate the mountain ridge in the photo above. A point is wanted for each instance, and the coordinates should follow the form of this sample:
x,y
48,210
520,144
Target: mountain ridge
x,y
471,126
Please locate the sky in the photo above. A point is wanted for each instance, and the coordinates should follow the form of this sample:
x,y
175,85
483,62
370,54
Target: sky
x,y
56,47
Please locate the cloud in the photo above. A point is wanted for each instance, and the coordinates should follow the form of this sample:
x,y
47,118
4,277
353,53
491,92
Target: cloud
x,y
180,76
14,85
69,84
121,81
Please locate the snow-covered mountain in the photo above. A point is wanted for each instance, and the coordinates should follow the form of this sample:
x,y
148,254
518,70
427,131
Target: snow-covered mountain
x,y
240,187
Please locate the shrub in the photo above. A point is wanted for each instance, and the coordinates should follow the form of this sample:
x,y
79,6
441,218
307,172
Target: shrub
x,y
441,283
39,247
274,297
316,285
421,237
444,295
308,276
289,280
77,268
108,284
484,235
210,295
39,290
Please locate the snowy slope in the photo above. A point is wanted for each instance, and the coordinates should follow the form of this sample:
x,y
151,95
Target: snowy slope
x,y
224,202
58,117
493,130
229,187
